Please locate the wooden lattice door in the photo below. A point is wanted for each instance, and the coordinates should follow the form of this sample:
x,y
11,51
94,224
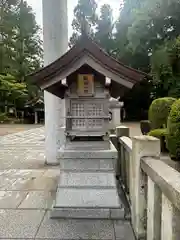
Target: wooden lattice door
x,y
87,115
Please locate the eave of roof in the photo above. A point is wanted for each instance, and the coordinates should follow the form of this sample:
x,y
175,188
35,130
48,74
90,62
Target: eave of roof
x,y
86,45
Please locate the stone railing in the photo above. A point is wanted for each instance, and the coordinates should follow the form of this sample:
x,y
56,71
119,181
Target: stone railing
x,y
151,186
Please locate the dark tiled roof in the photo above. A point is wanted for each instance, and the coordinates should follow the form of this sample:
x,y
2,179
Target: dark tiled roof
x,y
86,46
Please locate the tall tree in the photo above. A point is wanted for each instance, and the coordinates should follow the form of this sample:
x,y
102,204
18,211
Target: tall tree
x,y
136,59
6,34
27,41
104,29
20,42
20,45
155,30
154,22
84,14
165,69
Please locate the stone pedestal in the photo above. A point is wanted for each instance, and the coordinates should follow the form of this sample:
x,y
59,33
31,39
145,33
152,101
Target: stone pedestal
x,y
115,107
87,185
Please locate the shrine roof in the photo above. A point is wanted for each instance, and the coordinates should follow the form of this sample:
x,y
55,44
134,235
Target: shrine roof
x,y
86,47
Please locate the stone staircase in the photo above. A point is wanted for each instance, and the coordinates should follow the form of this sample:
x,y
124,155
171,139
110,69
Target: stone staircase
x,y
87,185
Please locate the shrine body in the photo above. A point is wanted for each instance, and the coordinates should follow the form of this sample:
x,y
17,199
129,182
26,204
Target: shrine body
x,y
86,77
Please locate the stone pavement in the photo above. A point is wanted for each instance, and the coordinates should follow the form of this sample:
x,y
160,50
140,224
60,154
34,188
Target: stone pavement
x,y
27,192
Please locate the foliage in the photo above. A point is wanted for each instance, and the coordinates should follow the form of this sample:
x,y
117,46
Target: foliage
x,y
154,22
84,17
162,135
104,28
100,27
173,130
155,31
165,64
12,92
20,51
158,133
3,117
159,112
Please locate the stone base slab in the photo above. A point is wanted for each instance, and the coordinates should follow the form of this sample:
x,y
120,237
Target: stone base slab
x,y
88,145
87,198
81,153
88,213
87,179
89,165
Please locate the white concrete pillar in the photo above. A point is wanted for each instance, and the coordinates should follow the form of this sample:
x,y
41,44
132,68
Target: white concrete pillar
x,y
142,146
55,32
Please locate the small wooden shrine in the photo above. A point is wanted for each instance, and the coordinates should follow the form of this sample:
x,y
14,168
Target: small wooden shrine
x,y
86,77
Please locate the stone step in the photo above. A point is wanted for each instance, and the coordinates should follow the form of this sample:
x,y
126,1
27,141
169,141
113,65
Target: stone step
x,y
87,198
88,213
86,154
87,203
88,145
65,153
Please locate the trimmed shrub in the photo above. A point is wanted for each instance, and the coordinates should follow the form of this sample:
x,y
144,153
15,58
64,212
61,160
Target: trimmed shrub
x,y
161,134
173,131
159,112
158,133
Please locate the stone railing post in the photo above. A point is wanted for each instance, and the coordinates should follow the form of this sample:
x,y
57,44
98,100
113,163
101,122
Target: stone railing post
x,y
142,146
154,197
121,131
170,220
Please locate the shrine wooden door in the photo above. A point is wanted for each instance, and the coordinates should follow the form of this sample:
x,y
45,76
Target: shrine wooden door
x,y
87,115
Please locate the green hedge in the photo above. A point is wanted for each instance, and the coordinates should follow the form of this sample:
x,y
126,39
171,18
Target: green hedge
x,y
159,111
161,134
173,131
158,133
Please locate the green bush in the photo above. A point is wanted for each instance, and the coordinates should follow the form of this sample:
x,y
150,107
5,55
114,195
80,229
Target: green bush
x,y
158,133
159,111
173,131
161,134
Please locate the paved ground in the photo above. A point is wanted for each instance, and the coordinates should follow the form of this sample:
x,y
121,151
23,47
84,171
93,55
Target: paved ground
x,y
27,191
13,128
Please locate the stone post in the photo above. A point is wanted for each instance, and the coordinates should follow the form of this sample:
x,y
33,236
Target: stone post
x,y
142,146
121,131
170,220
55,32
154,197
115,107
